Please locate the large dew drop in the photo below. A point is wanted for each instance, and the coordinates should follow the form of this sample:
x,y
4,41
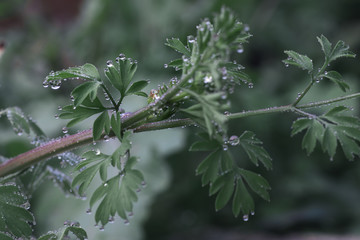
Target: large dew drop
x,y
234,140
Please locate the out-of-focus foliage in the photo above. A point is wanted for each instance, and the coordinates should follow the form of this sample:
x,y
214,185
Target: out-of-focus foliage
x,y
308,193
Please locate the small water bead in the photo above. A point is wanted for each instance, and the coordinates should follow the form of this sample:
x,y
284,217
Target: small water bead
x,y
59,108
88,211
191,39
65,130
166,65
246,28
56,116
251,85
102,228
45,84
75,224
106,138
126,222
97,152
227,113
246,217
225,147
252,213
105,184
111,219
286,65
191,80
122,56
234,140
240,49
109,63
72,98
67,223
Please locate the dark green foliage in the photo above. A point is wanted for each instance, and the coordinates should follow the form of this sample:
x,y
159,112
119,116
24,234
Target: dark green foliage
x,y
21,123
70,228
15,218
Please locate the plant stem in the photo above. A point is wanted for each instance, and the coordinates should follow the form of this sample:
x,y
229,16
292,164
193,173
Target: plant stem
x,y
313,80
285,108
57,146
326,102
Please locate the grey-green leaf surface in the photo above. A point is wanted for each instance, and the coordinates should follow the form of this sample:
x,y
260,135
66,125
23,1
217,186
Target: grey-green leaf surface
x,y
15,219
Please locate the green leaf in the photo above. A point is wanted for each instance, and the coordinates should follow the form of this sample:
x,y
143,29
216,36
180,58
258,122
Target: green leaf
x,y
15,218
176,44
137,87
209,145
325,46
329,142
226,191
116,124
337,79
87,89
256,153
85,177
257,183
101,123
345,129
118,195
63,233
340,50
62,180
86,72
209,167
313,133
242,200
298,60
18,120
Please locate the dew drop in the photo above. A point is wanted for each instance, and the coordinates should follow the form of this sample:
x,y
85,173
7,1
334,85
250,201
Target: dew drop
x,y
102,228
88,211
251,85
252,213
67,223
126,222
122,56
227,113
106,138
59,108
240,49
225,147
55,86
45,84
246,28
72,98
246,217
234,140
109,63
191,39
111,219
191,80
97,152
166,65
65,130
105,184
286,65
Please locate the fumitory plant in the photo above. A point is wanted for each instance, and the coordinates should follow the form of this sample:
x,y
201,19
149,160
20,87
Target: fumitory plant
x,y
197,96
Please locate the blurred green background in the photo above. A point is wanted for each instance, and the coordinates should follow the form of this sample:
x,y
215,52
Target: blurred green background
x,y
309,193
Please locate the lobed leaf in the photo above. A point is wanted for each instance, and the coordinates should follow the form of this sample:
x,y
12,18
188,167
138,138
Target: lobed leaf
x,y
101,124
87,89
176,44
337,79
15,218
298,60
86,72
256,153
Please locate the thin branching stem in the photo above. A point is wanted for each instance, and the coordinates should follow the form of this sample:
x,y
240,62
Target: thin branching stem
x,y
71,142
